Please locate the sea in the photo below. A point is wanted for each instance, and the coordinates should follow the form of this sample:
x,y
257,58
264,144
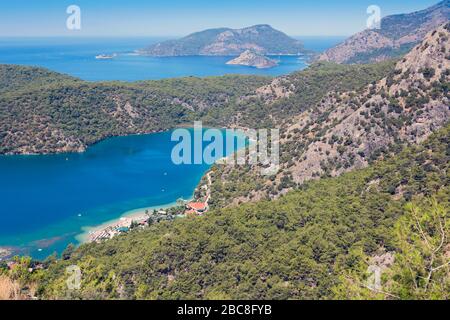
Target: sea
x,y
76,57
47,201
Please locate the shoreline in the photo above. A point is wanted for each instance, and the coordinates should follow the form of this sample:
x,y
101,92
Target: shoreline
x,y
85,147
107,229
136,215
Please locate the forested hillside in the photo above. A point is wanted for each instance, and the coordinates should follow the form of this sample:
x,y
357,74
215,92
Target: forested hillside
x,y
351,129
301,246
275,104
15,78
364,180
45,112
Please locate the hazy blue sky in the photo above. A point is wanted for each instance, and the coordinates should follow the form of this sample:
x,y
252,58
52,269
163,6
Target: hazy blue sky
x,y
179,17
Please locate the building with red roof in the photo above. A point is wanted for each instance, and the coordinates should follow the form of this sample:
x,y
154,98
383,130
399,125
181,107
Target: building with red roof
x,y
198,207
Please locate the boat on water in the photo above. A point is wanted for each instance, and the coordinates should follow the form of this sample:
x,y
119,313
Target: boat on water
x,y
105,56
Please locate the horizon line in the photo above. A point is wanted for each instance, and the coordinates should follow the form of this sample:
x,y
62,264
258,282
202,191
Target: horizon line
x,y
145,36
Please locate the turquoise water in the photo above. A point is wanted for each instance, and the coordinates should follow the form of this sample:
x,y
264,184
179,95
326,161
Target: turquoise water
x,y
76,56
46,200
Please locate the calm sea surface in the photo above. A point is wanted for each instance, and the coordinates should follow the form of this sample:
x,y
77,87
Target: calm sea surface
x,y
76,56
45,201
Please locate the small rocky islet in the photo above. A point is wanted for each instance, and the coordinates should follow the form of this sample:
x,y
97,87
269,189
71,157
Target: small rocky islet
x,y
253,59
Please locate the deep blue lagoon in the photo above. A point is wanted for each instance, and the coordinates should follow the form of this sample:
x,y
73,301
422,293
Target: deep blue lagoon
x,y
45,201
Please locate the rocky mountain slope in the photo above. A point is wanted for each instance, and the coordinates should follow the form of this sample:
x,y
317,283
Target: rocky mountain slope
x,y
398,34
262,39
253,59
351,129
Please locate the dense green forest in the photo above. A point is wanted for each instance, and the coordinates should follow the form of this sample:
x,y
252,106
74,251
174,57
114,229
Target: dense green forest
x,y
15,78
45,112
312,243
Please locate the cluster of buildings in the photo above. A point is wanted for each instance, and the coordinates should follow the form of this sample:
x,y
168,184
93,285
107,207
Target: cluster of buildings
x,y
126,224
109,232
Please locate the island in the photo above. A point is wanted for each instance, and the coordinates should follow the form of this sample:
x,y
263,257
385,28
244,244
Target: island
x,y
253,59
228,42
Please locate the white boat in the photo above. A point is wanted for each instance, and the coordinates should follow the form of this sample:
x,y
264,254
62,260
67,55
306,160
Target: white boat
x,y
105,56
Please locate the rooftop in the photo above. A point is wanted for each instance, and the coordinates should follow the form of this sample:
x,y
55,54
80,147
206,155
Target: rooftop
x,y
198,206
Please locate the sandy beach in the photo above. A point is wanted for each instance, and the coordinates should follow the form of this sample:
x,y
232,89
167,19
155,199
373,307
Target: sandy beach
x,y
108,229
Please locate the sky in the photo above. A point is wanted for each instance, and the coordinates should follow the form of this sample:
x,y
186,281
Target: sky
x,y
127,18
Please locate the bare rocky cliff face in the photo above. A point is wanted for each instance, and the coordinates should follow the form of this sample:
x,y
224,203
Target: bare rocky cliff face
x,y
404,107
397,35
253,59
349,130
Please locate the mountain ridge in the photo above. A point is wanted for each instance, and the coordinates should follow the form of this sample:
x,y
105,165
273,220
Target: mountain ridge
x,y
397,35
261,38
54,113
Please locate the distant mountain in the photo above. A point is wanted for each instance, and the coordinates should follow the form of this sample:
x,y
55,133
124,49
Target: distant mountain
x,y
262,39
253,59
398,34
